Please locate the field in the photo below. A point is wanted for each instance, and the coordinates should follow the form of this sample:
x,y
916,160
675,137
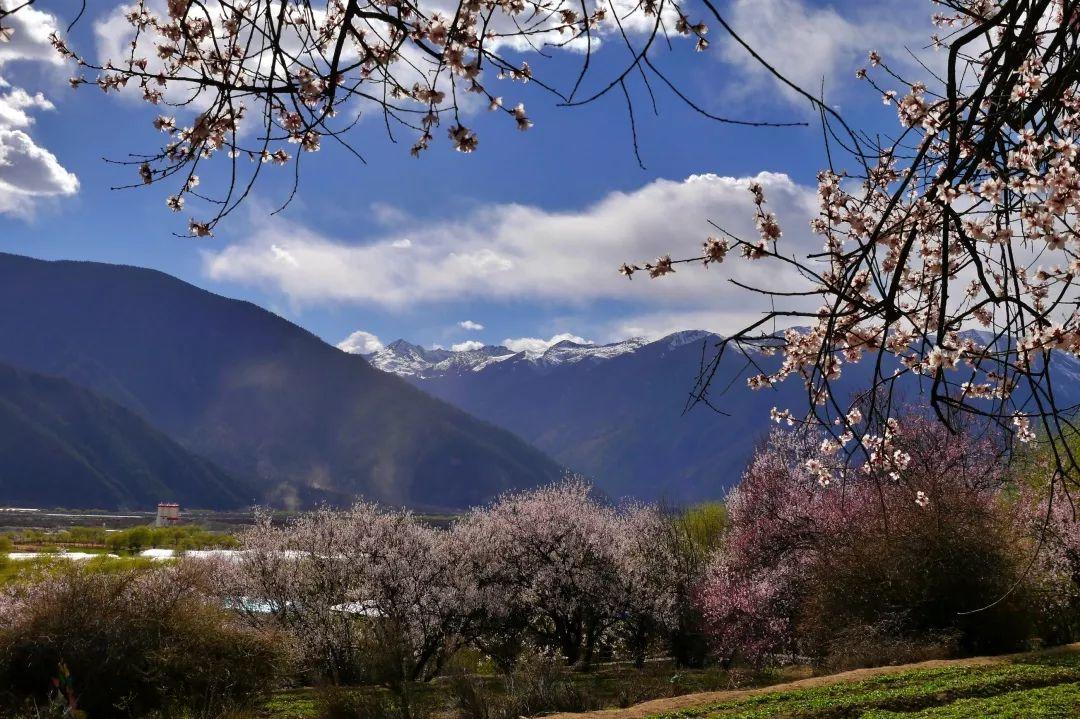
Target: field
x,y
1038,685
1033,685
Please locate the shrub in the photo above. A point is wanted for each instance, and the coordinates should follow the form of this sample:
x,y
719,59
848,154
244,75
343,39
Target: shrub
x,y
333,702
537,685
135,642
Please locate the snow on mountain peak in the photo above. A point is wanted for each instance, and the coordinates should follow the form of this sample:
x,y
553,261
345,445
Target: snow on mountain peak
x,y
685,337
406,359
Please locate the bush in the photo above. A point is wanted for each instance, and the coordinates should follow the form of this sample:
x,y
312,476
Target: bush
x,y
136,642
333,702
538,685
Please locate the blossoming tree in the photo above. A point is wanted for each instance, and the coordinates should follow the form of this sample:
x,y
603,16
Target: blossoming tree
x,y
817,568
949,251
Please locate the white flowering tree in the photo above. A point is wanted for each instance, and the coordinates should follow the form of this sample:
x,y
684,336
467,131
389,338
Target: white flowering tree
x,y
375,593
949,251
369,592
546,562
657,576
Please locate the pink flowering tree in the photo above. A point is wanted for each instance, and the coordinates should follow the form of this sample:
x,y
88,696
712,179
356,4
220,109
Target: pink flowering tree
x,y
819,549
750,594
1053,530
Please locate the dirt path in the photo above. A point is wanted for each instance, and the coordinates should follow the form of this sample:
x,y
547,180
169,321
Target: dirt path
x,y
659,706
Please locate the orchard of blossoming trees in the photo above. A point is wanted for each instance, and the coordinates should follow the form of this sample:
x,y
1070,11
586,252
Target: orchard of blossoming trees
x,y
552,569
825,567
834,569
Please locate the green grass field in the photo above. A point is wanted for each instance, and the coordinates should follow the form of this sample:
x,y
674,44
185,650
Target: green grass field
x,y
1037,685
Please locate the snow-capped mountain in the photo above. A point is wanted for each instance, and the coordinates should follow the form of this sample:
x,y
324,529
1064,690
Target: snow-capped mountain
x,y
412,361
613,412
616,412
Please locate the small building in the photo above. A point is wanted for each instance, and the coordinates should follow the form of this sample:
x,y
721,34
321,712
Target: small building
x,y
168,514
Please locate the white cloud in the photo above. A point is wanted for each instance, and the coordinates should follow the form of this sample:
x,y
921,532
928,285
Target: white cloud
x,y
470,325
402,244
29,173
512,252
30,38
654,325
14,106
535,345
467,346
809,43
360,343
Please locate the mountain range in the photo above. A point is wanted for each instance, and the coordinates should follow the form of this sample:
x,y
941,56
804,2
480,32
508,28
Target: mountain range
x,y
612,412
292,420
616,412
122,386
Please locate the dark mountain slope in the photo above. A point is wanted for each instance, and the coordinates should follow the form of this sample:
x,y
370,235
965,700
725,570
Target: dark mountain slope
x,y
61,445
252,391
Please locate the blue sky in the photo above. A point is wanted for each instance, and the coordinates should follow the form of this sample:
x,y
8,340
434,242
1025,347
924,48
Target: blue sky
x,y
522,237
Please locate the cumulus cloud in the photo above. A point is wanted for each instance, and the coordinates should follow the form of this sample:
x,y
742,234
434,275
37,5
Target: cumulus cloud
x,y
535,345
14,107
30,37
29,173
360,343
514,252
470,325
811,43
467,346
